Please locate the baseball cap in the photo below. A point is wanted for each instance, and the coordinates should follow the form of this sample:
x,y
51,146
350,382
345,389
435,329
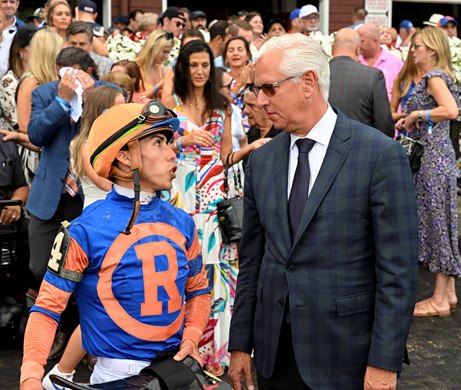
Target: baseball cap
x,y
447,19
433,20
172,12
197,14
308,10
39,13
123,19
98,31
406,24
88,6
294,14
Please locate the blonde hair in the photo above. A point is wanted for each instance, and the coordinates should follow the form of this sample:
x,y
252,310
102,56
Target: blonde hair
x,y
44,48
152,49
50,13
98,100
123,81
436,39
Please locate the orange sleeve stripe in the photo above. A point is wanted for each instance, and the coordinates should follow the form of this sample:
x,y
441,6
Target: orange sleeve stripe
x,y
52,298
76,260
194,249
38,340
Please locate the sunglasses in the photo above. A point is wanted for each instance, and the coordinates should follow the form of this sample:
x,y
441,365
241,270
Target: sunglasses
x,y
180,24
416,45
268,89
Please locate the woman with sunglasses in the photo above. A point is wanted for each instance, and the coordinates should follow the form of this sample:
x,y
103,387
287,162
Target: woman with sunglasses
x,y
151,60
203,144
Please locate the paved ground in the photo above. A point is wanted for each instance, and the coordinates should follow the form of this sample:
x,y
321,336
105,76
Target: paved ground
x,y
434,346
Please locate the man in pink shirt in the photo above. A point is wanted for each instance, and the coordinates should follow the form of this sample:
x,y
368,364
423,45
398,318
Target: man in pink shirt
x,y
377,57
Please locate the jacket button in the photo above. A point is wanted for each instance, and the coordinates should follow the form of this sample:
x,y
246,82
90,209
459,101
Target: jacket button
x,y
281,302
291,268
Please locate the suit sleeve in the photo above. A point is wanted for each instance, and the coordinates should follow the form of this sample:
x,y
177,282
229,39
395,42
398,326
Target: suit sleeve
x,y
250,259
381,107
395,230
46,118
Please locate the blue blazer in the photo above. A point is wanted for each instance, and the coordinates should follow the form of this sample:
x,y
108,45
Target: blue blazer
x,y
350,272
51,129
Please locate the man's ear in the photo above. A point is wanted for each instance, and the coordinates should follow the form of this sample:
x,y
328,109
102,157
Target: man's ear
x,y
309,80
123,160
90,71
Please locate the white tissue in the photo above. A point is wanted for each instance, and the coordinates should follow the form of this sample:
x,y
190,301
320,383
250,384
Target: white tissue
x,y
77,100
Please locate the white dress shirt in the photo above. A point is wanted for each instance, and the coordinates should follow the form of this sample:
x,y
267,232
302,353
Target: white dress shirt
x,y
321,134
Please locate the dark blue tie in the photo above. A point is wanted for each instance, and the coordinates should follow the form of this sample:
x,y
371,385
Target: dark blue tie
x,y
300,186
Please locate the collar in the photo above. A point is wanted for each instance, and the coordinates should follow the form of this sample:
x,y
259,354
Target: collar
x,y
322,130
145,197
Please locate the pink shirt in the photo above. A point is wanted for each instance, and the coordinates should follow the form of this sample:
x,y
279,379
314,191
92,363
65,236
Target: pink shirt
x,y
390,65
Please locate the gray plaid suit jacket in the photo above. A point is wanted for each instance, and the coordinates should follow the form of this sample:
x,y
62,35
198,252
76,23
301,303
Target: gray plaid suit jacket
x,y
350,271
359,91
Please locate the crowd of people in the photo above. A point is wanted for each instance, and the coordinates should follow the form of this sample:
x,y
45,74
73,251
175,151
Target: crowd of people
x,y
121,163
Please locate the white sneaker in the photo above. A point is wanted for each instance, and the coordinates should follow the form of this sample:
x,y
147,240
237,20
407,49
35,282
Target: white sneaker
x,y
48,385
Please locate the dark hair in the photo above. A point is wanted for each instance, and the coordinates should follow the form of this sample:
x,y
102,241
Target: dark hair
x,y
183,84
132,14
251,15
133,70
245,42
192,33
360,13
239,25
79,28
21,40
71,56
218,29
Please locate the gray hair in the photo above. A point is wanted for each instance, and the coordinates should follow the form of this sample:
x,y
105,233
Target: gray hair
x,y
300,54
144,20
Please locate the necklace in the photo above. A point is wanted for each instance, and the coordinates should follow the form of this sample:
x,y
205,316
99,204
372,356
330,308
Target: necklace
x,y
197,106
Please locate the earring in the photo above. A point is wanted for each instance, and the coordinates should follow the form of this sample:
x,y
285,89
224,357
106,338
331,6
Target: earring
x,y
20,56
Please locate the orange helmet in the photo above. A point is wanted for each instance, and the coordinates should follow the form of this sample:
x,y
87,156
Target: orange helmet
x,y
121,124
125,124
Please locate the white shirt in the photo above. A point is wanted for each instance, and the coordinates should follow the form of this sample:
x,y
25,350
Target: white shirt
x,y
5,51
321,134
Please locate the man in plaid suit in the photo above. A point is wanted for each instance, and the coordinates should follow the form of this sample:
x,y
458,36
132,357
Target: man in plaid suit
x,y
326,303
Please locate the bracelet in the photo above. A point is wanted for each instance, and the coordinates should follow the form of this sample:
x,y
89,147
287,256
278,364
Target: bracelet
x,y
178,141
429,121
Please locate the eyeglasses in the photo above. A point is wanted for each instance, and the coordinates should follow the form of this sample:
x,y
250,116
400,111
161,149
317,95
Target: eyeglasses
x,y
226,85
180,24
268,89
416,45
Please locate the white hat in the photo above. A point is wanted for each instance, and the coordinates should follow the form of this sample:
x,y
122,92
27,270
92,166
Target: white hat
x,y
433,20
308,10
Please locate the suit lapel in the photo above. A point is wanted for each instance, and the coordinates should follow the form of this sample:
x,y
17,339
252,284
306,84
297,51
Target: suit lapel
x,y
337,152
280,164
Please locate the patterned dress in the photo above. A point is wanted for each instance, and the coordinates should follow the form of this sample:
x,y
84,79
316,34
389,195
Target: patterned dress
x,y
197,188
436,190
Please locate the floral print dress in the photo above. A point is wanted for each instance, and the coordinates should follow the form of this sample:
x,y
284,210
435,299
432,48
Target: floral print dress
x,y
436,190
197,189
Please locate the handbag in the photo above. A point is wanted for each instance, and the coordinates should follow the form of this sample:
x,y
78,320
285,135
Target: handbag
x,y
414,151
230,210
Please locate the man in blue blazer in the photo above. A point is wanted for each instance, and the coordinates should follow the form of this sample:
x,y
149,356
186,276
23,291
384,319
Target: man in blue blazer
x,y
52,129
327,285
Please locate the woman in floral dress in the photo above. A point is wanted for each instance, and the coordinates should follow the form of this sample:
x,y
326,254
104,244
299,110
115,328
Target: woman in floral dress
x,y
203,144
429,110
